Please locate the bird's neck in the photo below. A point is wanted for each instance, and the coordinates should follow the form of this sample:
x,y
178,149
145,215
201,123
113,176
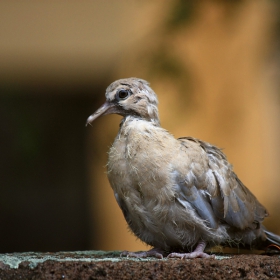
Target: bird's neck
x,y
129,118
152,114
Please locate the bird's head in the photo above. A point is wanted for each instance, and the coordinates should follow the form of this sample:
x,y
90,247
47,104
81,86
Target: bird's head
x,y
129,97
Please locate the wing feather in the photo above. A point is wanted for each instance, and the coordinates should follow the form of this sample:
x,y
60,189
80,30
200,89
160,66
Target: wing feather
x,y
229,200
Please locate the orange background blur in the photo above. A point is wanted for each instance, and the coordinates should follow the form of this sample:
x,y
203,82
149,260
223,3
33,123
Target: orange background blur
x,y
214,65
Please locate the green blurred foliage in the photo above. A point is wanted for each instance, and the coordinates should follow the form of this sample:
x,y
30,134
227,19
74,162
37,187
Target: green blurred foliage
x,y
181,13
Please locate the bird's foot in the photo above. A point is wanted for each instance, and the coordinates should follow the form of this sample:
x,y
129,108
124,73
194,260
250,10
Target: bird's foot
x,y
157,253
192,255
197,253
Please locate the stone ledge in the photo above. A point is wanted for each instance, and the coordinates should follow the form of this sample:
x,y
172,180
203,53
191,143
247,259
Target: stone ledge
x,y
108,265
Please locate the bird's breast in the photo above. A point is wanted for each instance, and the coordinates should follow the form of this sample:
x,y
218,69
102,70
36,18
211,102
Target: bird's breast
x,y
140,160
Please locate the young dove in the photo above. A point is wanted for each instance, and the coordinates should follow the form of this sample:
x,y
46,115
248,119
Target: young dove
x,y
177,195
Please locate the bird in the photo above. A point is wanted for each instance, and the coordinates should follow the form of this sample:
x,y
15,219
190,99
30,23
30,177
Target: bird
x,y
180,196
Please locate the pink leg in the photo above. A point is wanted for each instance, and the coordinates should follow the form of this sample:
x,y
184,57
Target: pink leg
x,y
157,253
197,253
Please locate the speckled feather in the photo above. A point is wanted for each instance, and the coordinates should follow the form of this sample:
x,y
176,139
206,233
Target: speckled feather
x,y
174,193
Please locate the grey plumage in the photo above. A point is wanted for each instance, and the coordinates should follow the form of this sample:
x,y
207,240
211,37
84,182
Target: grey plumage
x,y
177,195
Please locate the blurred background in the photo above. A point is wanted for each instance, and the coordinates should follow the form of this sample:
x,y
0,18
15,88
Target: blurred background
x,y
214,65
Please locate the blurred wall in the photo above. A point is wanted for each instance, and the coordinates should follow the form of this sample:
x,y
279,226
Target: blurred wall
x,y
68,42
213,65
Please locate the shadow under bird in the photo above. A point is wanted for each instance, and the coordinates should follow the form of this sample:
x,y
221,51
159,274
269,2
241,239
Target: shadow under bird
x,y
177,195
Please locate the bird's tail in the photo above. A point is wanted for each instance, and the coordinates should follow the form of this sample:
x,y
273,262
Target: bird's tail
x,y
272,237
272,241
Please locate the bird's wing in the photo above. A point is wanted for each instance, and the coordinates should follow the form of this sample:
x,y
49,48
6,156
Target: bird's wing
x,y
124,209
218,195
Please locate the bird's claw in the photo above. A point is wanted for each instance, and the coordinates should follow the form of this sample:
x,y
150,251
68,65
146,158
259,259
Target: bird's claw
x,y
146,254
192,255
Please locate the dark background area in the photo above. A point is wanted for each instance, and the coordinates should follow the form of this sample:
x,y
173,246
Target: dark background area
x,y
44,199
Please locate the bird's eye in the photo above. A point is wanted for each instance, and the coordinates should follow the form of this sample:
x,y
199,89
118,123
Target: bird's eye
x,y
123,94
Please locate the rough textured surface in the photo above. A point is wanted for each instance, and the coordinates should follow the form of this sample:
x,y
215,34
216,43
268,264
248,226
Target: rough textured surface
x,y
108,265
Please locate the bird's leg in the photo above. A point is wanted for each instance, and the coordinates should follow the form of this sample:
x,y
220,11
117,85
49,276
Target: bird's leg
x,y
155,252
197,253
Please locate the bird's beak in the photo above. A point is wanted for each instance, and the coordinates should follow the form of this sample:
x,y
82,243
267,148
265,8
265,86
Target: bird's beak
x,y
105,109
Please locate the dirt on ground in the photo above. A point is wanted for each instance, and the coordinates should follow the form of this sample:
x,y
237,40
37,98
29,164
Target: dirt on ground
x,y
108,265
